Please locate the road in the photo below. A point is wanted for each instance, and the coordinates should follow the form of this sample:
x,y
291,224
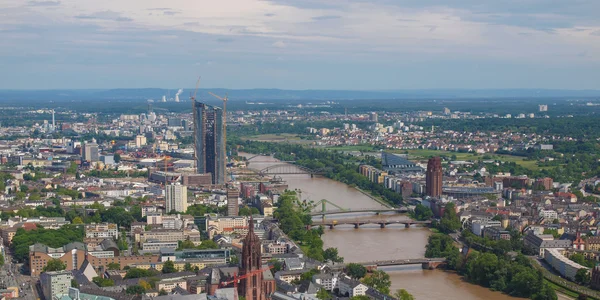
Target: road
x,y
27,286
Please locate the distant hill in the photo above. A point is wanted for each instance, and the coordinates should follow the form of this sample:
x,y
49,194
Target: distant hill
x,y
277,94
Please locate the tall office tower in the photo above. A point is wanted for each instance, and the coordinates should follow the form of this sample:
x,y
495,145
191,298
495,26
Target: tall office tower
x,y
90,152
209,141
374,117
176,197
252,286
433,177
232,201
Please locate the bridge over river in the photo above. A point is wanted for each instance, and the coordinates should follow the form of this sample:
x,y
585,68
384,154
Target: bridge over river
x,y
359,222
426,263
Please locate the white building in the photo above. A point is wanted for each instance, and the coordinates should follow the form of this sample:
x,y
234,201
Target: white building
x,y
102,230
548,214
176,197
55,283
350,288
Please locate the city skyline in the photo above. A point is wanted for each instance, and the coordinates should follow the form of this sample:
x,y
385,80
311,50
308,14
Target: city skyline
x,y
289,44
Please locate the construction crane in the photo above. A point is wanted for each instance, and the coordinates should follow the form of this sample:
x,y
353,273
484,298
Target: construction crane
x,y
193,101
238,278
224,99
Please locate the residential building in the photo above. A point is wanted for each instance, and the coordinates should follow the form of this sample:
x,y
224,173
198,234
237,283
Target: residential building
x,y
349,287
327,280
176,197
566,267
540,243
592,243
55,283
496,233
226,225
101,230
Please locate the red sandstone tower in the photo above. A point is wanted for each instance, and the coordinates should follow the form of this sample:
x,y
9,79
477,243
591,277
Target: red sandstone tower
x,y
251,287
433,177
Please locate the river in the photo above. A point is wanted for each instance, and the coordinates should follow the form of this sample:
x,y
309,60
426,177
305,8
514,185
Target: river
x,y
370,243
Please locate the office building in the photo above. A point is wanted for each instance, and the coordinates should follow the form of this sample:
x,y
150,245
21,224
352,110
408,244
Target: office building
x,y
55,283
433,177
90,152
373,117
209,141
232,201
176,197
174,122
140,141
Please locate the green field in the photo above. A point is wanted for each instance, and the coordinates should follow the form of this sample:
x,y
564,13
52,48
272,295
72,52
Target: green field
x,y
362,148
425,153
278,138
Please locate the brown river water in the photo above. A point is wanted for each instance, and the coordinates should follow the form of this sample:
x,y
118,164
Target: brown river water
x,y
370,242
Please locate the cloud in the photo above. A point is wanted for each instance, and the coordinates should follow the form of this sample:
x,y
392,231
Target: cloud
x,y
105,15
596,33
323,18
279,44
170,13
269,15
44,3
224,40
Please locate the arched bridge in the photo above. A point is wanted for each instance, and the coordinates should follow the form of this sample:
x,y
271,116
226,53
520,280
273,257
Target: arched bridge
x,y
358,223
289,168
359,210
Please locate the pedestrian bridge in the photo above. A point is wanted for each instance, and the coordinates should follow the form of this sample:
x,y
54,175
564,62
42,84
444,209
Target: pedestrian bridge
x,y
358,223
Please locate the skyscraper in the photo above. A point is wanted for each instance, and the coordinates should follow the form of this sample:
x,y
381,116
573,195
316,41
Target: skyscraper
x,y
209,141
176,197
90,152
232,201
433,177
252,286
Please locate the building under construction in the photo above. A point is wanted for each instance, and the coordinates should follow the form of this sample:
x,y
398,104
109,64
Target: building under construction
x,y
209,141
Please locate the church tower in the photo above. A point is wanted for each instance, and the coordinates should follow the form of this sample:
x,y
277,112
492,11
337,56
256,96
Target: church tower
x,y
251,287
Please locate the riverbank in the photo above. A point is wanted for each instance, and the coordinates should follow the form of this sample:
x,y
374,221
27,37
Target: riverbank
x,y
376,199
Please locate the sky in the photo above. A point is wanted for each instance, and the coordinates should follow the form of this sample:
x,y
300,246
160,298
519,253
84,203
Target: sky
x,y
300,44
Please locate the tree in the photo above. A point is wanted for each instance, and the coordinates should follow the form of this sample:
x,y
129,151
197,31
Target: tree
x,y
169,267
114,266
361,297
403,294
208,244
331,254
188,267
582,276
103,282
54,264
145,284
450,221
1,260
356,271
135,290
77,220
323,294
379,280
162,292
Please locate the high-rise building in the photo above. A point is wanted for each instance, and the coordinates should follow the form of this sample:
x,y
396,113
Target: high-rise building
x,y
90,152
374,117
232,201
176,197
210,141
252,286
433,177
140,141
55,283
